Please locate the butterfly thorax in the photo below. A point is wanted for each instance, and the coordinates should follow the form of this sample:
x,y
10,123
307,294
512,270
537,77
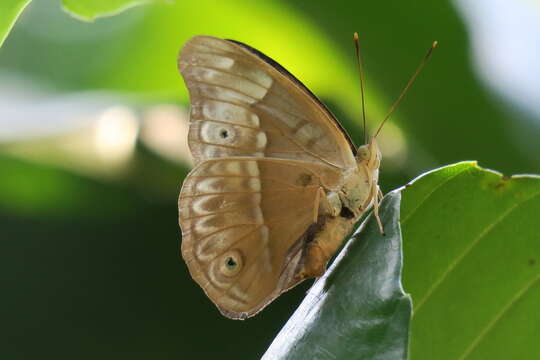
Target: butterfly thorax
x,y
361,185
340,210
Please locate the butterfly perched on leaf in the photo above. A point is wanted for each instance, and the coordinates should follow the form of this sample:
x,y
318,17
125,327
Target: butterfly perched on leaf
x,y
277,182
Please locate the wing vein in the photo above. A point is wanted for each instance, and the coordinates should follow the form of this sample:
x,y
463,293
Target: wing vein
x,y
230,123
213,213
233,192
227,146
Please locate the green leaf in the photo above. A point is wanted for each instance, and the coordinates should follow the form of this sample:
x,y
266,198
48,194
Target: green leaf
x,y
9,12
472,264
89,10
358,309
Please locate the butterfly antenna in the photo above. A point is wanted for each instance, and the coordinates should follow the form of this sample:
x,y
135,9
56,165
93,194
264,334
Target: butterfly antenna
x,y
406,88
361,74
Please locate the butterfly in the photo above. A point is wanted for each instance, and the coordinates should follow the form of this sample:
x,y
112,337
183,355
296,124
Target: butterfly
x,y
277,183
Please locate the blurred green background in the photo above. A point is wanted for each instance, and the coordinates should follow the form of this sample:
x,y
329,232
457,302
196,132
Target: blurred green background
x,y
92,150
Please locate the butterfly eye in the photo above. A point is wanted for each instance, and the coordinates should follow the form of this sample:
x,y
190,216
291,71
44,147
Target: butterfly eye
x,y
231,263
363,153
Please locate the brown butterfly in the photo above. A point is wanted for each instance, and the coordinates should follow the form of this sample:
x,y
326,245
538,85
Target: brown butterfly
x,y
277,182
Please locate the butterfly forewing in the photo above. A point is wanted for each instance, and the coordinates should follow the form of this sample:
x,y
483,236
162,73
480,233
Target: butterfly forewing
x,y
243,106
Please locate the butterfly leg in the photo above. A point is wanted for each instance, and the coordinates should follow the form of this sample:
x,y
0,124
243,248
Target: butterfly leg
x,y
330,203
377,197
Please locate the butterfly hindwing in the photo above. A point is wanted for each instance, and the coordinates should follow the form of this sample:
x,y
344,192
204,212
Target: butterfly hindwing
x,y
240,217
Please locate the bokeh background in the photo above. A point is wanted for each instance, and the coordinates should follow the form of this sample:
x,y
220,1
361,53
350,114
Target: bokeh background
x,y
93,150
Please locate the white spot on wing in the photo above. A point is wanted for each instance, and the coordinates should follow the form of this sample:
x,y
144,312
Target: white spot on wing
x,y
255,184
206,185
308,132
216,110
289,120
261,140
224,80
252,168
264,79
204,225
213,275
258,215
198,206
233,168
208,246
265,256
212,60
264,232
239,293
255,120
221,93
213,152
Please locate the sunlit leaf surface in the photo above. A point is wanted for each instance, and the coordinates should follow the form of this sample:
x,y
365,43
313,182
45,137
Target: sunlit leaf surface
x,y
9,12
472,264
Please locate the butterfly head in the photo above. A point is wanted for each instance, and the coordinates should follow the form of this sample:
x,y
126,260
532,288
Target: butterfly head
x,y
369,154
